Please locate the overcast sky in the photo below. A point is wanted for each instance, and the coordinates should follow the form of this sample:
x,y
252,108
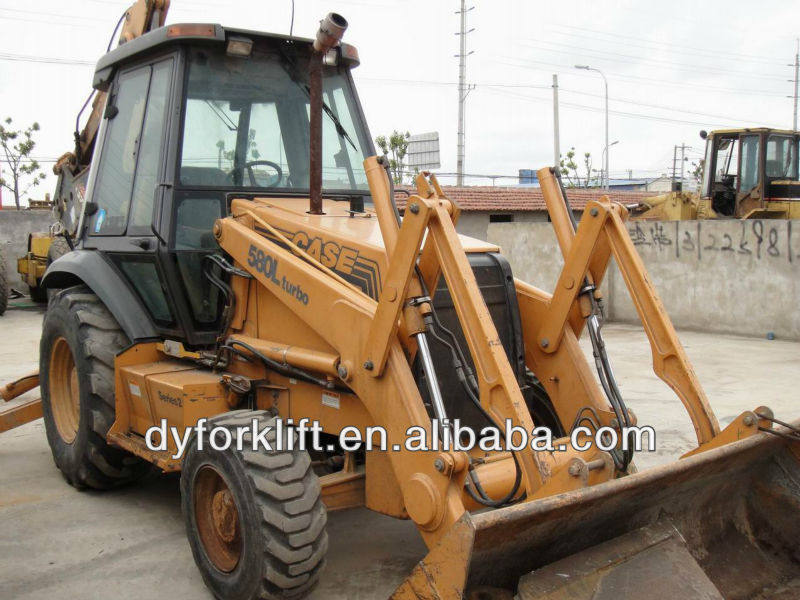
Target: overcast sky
x,y
673,68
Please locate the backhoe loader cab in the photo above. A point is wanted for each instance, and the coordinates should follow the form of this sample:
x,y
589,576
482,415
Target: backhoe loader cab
x,y
197,114
242,266
751,173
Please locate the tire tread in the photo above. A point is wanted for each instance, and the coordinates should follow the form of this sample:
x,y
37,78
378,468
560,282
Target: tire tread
x,y
288,496
100,338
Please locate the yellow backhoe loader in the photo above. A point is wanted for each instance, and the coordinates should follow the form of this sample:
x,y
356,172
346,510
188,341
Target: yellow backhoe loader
x,y
241,265
747,174
72,168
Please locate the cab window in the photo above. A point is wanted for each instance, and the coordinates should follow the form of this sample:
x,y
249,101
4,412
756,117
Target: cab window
x,y
749,172
781,157
129,165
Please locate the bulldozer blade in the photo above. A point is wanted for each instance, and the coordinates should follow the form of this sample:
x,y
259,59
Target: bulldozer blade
x,y
721,524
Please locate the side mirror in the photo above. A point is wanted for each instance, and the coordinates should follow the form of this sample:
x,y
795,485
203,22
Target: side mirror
x,y
703,134
91,208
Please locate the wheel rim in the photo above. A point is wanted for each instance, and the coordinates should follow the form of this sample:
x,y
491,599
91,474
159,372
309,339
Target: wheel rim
x,y
217,519
64,391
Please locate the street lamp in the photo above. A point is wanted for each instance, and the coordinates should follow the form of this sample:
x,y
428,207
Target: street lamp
x,y
603,159
605,81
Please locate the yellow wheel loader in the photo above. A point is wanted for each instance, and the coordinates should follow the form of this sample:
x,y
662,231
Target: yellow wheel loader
x,y
243,281
748,173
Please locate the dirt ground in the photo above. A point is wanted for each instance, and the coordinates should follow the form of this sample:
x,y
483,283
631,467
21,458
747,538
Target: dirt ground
x,y
56,542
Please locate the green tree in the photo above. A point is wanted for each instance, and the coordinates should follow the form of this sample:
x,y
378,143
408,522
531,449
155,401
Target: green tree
x,y
397,146
17,145
697,171
230,155
580,176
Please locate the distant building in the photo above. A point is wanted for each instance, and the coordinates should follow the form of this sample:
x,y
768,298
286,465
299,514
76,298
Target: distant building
x,y
665,184
628,184
659,184
528,177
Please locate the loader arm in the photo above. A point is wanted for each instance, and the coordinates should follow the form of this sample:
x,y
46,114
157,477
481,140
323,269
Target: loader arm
x,y
367,337
603,226
495,547
141,17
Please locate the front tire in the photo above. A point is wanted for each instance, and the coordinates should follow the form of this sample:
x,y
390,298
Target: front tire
x,y
76,364
255,520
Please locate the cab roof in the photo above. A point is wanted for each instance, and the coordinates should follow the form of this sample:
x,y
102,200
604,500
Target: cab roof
x,y
753,130
175,34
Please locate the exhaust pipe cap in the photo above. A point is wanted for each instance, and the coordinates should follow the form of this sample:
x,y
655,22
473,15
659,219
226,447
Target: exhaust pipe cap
x,y
331,31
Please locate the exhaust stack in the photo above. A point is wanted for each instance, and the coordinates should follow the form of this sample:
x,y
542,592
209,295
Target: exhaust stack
x,y
330,33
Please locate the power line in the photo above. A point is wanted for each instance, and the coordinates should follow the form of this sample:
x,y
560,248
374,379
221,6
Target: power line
x,y
671,48
615,112
727,53
662,107
43,59
52,15
639,60
51,23
528,64
480,85
447,83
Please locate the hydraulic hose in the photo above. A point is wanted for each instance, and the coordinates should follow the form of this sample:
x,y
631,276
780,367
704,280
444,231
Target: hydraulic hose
x,y
602,364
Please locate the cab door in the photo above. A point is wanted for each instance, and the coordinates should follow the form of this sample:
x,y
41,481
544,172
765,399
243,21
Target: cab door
x,y
126,186
749,195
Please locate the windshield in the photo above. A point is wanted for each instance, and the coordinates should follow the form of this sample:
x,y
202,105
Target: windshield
x,y
782,156
246,125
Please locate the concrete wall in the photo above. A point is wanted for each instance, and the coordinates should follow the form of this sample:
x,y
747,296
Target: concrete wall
x,y
476,223
15,225
533,252
739,277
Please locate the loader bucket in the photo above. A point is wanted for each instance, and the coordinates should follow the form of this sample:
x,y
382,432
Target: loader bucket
x,y
722,524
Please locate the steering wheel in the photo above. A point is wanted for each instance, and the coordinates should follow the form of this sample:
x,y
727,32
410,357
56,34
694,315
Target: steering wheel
x,y
251,175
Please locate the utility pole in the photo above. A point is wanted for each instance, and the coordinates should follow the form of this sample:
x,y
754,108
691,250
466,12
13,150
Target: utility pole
x,y
683,158
463,88
796,79
556,135
674,166
677,184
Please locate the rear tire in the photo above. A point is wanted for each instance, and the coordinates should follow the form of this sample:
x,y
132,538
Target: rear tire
x,y
255,520
76,363
58,248
38,293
